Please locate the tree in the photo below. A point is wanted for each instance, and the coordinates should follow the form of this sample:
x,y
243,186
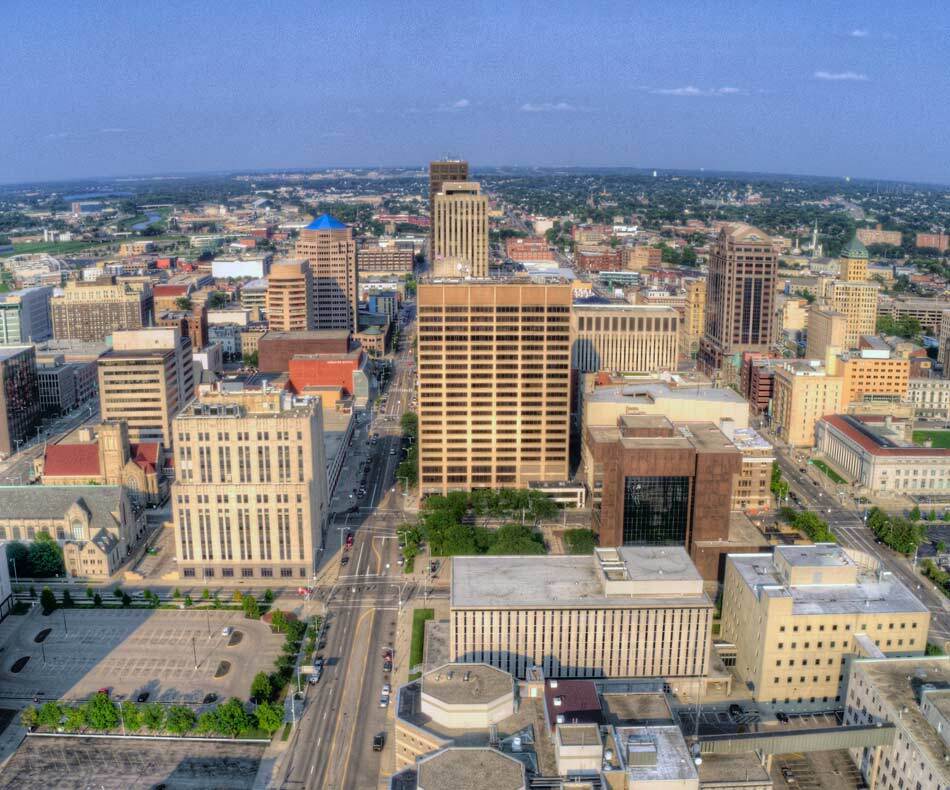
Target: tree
x,y
261,689
270,716
46,557
126,600
18,559
117,593
237,596
251,609
153,716
89,592
48,600
278,621
914,514
179,719
50,714
188,601
206,594
176,593
516,539
208,722
101,712
250,359
97,600
131,716
217,300
579,541
268,595
232,718
183,303
76,717
29,717
67,600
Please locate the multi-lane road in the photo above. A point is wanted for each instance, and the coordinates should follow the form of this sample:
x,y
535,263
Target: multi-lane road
x,y
332,745
848,526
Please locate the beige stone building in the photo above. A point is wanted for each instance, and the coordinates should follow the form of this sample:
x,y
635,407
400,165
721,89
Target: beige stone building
x,y
460,230
857,301
640,257
494,384
797,617
626,612
329,247
90,311
250,494
943,349
289,301
95,525
827,329
751,492
804,391
144,380
911,695
740,295
694,318
624,338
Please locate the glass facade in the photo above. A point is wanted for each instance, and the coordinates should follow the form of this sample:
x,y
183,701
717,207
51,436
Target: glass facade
x,y
655,511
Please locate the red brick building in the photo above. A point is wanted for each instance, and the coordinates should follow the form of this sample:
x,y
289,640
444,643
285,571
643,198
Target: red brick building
x,y
533,248
276,349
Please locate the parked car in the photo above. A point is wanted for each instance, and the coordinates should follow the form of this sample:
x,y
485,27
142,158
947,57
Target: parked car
x,y
209,698
143,697
387,666
735,710
349,540
384,701
344,559
227,631
782,716
378,741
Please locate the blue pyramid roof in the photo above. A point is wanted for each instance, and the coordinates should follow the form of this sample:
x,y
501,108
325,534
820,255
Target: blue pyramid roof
x,y
326,222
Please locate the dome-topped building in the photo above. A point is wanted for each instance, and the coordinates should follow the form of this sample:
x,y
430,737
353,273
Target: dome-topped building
x,y
853,261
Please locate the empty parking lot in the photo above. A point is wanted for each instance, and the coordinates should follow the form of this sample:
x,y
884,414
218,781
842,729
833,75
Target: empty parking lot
x,y
131,651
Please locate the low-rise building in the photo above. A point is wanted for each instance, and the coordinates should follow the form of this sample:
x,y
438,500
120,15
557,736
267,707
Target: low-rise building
x,y
930,396
96,525
913,696
25,316
596,616
751,488
797,616
624,338
867,452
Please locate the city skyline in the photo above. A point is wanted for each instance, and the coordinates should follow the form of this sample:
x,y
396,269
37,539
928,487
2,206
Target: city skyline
x,y
795,91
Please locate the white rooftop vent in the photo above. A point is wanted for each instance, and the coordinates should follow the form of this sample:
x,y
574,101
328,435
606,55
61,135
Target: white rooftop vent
x,y
558,701
554,684
559,718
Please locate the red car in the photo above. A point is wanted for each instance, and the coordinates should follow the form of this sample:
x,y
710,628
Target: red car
x,y
349,540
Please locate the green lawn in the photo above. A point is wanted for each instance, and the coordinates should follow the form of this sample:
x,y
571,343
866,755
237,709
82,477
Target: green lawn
x,y
55,247
835,477
940,439
417,648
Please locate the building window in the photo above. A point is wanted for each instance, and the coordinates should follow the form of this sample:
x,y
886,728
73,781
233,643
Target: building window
x,y
286,572
247,573
267,572
209,573
227,573
655,511
188,573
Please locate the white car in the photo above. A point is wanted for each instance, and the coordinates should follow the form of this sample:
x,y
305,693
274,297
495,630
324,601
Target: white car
x,y
227,631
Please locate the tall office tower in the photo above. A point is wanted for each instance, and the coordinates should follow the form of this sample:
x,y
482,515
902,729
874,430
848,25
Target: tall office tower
x,y
440,172
740,295
330,248
694,319
853,262
625,338
858,302
19,397
494,383
827,328
289,301
250,494
25,316
145,379
90,311
460,230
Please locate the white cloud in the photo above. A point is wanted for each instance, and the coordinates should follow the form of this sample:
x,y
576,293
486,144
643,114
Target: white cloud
x,y
841,76
692,90
561,106
91,133
459,104
113,130
860,33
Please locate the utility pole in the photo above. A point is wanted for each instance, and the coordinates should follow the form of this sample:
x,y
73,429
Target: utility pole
x,y
195,649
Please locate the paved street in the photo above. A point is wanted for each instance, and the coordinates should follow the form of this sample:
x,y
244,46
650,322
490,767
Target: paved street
x,y
848,525
332,746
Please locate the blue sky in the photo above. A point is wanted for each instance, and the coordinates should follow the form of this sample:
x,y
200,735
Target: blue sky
x,y
112,87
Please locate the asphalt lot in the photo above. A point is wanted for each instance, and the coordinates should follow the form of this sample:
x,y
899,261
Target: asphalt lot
x,y
134,650
109,764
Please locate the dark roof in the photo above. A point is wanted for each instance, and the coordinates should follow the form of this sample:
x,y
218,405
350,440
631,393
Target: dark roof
x,y
579,702
326,222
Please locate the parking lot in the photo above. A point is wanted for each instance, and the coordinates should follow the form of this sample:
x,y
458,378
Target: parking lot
x,y
135,651
42,763
815,771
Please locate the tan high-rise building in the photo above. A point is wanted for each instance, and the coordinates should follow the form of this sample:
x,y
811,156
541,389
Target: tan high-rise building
x,y
694,319
145,379
740,295
858,302
624,338
827,328
91,311
250,494
798,615
289,301
494,385
805,391
853,262
460,230
442,171
328,245
943,349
